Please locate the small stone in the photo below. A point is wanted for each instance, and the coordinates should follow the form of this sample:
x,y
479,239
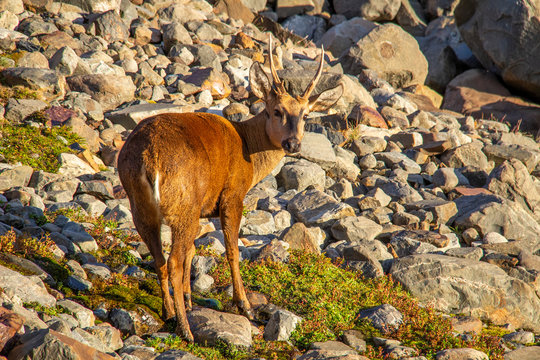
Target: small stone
x,y
458,354
520,337
494,238
281,325
384,317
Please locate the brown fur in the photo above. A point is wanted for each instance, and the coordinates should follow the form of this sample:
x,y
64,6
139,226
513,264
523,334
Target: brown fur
x,y
205,166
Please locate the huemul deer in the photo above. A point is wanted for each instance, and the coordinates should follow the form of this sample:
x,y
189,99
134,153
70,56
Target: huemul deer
x,y
176,168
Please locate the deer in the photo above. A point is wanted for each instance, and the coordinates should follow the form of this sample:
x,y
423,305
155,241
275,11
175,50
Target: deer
x,y
178,168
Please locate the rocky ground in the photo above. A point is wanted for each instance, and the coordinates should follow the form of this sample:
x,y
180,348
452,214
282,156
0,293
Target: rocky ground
x,y
442,194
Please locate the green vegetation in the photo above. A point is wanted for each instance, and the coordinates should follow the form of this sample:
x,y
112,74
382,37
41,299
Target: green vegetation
x,y
38,148
52,311
329,298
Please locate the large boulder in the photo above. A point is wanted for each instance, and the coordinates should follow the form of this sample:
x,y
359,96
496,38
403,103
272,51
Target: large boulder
x,y
391,52
109,90
341,37
464,286
210,326
479,93
503,34
49,344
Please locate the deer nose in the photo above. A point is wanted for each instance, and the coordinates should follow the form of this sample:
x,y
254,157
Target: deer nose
x,y
291,145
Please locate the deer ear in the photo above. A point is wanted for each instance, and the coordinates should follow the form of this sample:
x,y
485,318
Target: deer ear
x,y
259,81
326,99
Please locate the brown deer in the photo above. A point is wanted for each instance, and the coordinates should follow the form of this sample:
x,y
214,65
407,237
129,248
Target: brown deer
x,y
177,168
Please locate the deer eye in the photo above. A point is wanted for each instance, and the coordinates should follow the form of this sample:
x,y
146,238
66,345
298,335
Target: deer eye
x,y
278,114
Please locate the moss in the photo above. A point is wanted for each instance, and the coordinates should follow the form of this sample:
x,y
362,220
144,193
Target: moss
x,y
38,148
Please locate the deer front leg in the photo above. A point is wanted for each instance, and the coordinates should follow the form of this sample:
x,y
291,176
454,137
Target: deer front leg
x,y
231,215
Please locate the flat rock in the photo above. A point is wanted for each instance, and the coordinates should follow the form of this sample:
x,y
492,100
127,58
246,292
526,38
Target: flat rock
x,y
469,287
37,79
384,317
15,284
17,176
313,207
318,149
208,326
131,115
331,350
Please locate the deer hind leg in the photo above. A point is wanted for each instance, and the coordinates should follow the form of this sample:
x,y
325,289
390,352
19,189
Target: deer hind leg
x,y
230,216
149,226
187,277
183,237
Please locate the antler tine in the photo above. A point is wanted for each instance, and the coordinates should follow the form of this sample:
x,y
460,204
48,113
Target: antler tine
x,y
277,82
315,80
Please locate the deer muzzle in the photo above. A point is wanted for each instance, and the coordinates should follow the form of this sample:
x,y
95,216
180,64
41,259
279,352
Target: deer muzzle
x,y
291,145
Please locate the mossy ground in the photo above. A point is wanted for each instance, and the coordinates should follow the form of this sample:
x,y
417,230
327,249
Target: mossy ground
x,y
35,147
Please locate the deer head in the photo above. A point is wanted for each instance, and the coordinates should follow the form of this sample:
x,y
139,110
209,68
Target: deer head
x,y
286,114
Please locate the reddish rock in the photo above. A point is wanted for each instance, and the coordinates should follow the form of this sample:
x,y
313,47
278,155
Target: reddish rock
x,y
10,323
368,116
480,94
58,115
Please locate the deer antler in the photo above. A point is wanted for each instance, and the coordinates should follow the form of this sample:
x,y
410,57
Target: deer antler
x,y
277,82
315,80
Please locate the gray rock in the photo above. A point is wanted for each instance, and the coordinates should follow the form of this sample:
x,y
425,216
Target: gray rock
x,y
488,213
298,236
77,283
17,176
313,207
300,174
354,339
36,79
15,284
84,316
396,159
209,326
54,345
18,109
330,350
524,353
445,178
281,325
134,322
306,26
498,48
131,115
512,181
258,222
470,287
520,337
202,283
109,337
176,355
368,9
318,149
463,353
65,61
466,155
174,34
73,166
341,37
355,228
394,61
443,210
109,90
384,317
471,253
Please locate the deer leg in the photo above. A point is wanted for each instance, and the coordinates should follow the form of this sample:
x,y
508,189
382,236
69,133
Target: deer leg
x,y
231,215
183,237
187,277
149,227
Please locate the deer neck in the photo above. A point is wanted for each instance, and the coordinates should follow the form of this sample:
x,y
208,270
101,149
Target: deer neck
x,y
264,155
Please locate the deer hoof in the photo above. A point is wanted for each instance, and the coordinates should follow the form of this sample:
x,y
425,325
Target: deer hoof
x,y
245,309
185,334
